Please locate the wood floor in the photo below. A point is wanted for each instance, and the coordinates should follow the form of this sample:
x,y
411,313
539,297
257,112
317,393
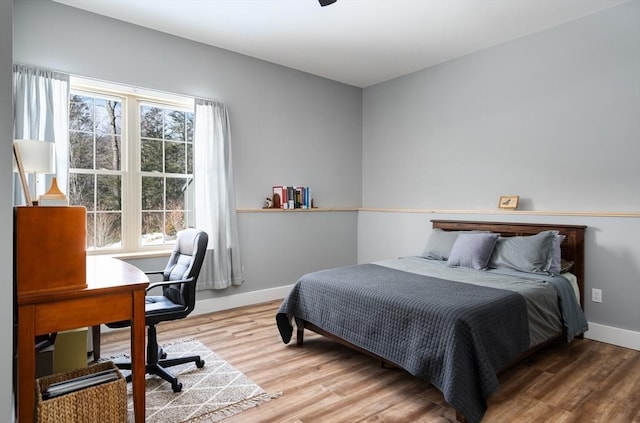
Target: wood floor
x,y
585,381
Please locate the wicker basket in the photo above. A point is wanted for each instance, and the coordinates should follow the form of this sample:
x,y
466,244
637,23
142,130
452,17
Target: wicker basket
x,y
104,403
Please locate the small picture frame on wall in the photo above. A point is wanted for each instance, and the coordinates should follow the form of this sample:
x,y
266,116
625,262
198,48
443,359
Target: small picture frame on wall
x,y
508,202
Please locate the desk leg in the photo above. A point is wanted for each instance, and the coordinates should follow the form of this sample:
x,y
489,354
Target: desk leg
x,y
95,337
138,355
26,364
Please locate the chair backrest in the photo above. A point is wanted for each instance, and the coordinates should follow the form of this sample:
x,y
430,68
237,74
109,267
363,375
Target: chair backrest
x,y
185,263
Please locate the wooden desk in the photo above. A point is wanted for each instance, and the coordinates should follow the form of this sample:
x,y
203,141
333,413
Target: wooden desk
x,y
115,291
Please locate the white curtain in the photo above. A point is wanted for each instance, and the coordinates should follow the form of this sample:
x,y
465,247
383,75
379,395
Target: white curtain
x,y
41,112
215,203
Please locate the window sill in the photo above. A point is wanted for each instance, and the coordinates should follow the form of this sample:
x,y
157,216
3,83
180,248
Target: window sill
x,y
131,254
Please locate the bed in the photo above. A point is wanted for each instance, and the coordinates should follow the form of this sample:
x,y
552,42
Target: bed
x,y
482,296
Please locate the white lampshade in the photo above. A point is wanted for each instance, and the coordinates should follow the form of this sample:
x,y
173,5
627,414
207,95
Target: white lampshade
x,y
37,156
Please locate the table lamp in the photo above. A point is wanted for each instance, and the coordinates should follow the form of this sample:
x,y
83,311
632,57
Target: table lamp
x,y
37,157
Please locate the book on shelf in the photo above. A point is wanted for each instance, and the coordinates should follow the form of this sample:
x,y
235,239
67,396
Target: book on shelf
x,y
291,197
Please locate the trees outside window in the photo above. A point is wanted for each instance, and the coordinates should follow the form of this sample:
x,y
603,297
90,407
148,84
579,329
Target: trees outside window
x,y
166,167
131,166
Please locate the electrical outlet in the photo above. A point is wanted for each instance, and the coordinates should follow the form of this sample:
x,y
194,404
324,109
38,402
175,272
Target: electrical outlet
x,y
596,295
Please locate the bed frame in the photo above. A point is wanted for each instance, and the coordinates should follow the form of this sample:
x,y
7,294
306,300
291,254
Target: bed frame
x,y
572,249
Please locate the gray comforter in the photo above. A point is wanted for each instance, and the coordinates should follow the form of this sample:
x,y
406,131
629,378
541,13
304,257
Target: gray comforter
x,y
454,335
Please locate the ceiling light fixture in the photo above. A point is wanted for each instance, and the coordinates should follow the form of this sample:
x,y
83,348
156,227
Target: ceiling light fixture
x,y
324,3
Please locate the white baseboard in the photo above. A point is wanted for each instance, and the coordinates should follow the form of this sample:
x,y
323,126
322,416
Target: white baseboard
x,y
238,300
615,336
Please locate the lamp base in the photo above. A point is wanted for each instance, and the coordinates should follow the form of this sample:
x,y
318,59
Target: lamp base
x,y
53,197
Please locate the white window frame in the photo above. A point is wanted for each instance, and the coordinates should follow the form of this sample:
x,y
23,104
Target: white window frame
x,y
132,97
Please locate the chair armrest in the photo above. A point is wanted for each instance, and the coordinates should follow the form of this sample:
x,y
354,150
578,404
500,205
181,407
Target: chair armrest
x,y
154,272
165,283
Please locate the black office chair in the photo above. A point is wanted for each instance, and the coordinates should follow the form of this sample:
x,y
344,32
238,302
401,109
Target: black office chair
x,y
178,299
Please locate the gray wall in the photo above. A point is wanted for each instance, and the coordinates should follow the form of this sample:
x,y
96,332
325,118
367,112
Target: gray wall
x,y
6,211
288,128
552,117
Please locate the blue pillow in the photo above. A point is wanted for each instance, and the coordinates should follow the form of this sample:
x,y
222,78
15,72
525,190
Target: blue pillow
x,y
472,250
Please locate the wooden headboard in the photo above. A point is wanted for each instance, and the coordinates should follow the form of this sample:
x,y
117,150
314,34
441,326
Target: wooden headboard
x,y
572,247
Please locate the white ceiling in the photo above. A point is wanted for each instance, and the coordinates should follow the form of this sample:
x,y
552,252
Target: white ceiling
x,y
358,42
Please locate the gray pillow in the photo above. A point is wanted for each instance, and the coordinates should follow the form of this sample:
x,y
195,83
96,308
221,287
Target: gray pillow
x,y
531,254
440,243
555,265
472,250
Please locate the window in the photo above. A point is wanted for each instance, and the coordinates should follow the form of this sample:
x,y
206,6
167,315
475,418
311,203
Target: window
x,y
131,166
166,165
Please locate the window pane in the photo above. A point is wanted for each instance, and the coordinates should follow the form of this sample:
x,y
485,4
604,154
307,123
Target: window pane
x,y
81,190
176,191
150,122
80,150
152,228
174,223
109,192
151,156
108,230
108,152
81,113
108,116
190,159
152,193
174,125
174,157
91,230
189,126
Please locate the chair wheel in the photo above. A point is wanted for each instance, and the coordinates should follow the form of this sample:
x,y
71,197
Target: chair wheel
x,y
177,387
200,364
